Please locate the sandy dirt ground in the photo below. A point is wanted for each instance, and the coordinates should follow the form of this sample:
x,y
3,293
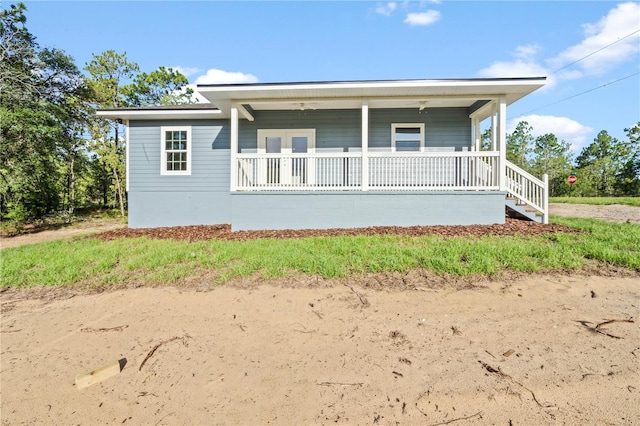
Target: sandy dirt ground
x,y
412,350
612,213
524,351
56,234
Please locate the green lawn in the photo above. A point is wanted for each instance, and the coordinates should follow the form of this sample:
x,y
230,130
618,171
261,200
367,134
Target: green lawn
x,y
629,201
92,262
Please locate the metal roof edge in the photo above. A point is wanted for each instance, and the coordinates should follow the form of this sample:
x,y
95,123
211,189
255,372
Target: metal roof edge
x,y
357,82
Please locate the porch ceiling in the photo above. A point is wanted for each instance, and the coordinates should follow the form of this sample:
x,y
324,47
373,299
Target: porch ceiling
x,y
379,94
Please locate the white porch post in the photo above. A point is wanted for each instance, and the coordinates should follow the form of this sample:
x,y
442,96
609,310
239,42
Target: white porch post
x,y
126,159
545,199
365,147
502,142
234,149
475,133
494,127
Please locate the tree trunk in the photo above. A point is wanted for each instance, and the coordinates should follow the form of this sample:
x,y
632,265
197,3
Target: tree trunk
x,y
119,192
72,189
105,188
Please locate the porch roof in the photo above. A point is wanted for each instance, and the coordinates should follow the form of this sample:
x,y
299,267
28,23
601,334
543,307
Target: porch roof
x,y
470,93
378,93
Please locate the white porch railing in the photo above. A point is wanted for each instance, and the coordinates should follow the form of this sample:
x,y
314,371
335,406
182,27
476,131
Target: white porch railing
x,y
292,172
394,171
433,171
528,189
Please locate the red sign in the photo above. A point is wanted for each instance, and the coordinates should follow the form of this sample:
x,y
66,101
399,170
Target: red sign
x,y
572,179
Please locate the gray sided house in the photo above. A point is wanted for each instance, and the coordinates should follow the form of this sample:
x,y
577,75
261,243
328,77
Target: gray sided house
x,y
330,155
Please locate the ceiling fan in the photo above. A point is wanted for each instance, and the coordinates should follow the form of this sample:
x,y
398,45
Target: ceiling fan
x,y
422,105
302,106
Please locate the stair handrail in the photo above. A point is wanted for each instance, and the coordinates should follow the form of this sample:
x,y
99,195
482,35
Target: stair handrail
x,y
524,173
541,202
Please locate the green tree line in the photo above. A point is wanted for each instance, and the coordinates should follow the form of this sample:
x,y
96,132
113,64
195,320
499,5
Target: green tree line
x,y
607,167
55,153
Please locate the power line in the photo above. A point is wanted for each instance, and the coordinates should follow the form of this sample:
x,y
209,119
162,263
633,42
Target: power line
x,y
595,88
593,53
582,93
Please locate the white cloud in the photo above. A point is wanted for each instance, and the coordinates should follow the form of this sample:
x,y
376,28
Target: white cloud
x,y
525,65
422,18
563,127
621,21
527,52
422,3
216,76
568,75
386,9
186,71
518,68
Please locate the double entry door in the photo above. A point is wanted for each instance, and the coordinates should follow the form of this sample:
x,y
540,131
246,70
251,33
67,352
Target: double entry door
x,y
283,164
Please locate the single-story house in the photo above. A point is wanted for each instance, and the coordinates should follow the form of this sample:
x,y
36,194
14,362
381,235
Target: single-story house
x,y
342,154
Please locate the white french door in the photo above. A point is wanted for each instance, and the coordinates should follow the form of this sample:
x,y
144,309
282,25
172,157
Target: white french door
x,y
282,165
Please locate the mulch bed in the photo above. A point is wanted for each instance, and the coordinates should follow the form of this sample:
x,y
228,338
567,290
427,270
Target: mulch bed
x,y
223,232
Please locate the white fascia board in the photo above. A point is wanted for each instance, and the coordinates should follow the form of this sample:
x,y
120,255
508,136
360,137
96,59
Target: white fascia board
x,y
158,114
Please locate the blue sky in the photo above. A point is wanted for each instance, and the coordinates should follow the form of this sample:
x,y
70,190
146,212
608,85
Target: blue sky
x,y
264,41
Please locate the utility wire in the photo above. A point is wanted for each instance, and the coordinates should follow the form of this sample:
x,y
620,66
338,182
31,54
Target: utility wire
x,y
582,93
594,52
592,89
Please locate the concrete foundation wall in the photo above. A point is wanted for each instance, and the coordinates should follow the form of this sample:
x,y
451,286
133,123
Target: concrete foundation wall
x,y
170,208
250,211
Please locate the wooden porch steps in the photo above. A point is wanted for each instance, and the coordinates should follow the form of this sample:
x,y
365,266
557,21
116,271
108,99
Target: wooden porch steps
x,y
520,210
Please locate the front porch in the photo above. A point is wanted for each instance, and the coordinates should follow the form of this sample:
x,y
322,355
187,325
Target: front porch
x,y
399,172
406,140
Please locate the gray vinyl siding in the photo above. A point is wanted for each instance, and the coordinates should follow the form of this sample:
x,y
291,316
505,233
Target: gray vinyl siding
x,y
204,197
334,128
201,198
210,157
444,127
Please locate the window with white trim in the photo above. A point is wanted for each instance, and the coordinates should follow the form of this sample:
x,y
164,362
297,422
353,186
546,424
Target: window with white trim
x,y
176,150
407,137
